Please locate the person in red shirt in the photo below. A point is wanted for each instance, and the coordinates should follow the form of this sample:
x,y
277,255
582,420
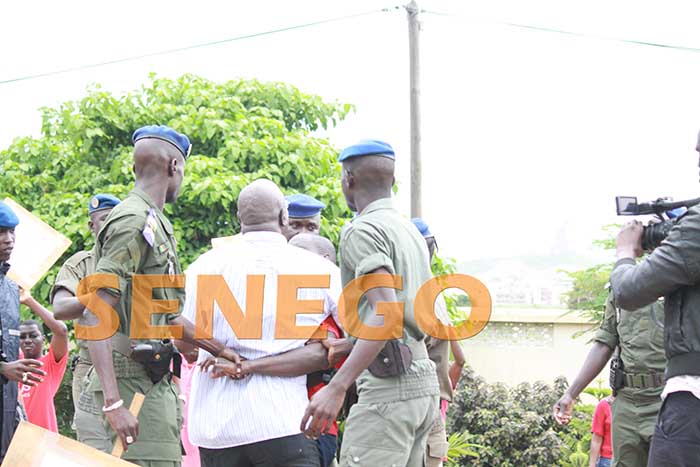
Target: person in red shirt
x,y
601,442
38,399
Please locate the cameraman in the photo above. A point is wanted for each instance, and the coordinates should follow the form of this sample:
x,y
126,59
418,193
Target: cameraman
x,y
673,271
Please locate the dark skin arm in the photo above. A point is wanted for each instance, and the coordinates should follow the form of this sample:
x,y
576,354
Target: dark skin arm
x,y
121,420
59,331
213,346
313,357
298,362
596,360
457,365
66,306
596,443
324,406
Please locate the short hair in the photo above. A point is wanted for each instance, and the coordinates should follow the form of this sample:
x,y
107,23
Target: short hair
x,y
31,322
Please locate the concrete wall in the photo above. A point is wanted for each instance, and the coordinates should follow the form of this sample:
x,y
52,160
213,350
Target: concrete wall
x,y
537,344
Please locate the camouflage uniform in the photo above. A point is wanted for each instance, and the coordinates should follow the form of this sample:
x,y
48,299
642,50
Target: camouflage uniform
x,y
640,335
138,239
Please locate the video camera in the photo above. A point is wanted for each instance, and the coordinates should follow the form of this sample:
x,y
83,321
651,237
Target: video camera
x,y
665,209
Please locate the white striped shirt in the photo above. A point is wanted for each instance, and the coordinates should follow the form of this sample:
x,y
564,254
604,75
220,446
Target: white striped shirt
x,y
224,412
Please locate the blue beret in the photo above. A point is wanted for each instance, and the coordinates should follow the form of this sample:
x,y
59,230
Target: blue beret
x,y
303,206
422,227
165,133
102,201
8,219
367,147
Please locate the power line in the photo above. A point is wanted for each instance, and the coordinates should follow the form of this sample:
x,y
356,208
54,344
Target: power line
x,y
197,46
576,34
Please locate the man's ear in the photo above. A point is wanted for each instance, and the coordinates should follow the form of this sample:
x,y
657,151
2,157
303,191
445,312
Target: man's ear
x,y
172,167
283,218
350,178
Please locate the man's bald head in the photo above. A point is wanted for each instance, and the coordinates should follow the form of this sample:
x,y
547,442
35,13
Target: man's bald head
x,y
367,177
262,207
315,244
159,162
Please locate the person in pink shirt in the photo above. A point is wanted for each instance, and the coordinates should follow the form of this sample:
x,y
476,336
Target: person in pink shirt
x,y
38,399
188,367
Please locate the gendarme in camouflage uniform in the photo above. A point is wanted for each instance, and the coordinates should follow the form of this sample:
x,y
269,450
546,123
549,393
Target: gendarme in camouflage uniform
x,y
88,424
122,249
640,335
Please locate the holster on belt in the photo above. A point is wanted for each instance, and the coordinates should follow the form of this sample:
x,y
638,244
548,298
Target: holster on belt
x,y
617,368
155,356
393,360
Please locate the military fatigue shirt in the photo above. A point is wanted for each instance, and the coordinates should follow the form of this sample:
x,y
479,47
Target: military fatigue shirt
x,y
75,269
379,237
640,335
9,322
137,238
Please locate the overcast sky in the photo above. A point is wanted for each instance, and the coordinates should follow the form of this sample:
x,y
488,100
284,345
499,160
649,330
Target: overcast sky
x,y
528,135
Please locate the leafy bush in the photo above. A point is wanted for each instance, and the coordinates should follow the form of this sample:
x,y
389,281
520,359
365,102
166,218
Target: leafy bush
x,y
514,427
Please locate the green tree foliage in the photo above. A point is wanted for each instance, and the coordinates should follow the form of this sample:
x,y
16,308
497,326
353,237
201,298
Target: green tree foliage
x,y
513,427
440,267
241,130
588,294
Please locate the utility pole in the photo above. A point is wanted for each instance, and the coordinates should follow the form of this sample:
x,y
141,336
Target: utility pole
x,y
414,67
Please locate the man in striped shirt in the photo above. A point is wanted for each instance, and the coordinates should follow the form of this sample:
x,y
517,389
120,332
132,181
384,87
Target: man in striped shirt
x,y
255,420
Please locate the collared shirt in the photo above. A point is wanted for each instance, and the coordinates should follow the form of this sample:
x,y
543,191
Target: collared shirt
x,y
137,238
640,335
380,237
75,269
224,412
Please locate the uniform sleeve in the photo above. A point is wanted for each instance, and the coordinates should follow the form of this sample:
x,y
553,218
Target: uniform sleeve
x,y
366,251
122,250
607,332
68,278
598,424
674,264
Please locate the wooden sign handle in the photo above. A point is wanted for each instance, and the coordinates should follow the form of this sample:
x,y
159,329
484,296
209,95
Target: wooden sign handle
x,y
134,408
